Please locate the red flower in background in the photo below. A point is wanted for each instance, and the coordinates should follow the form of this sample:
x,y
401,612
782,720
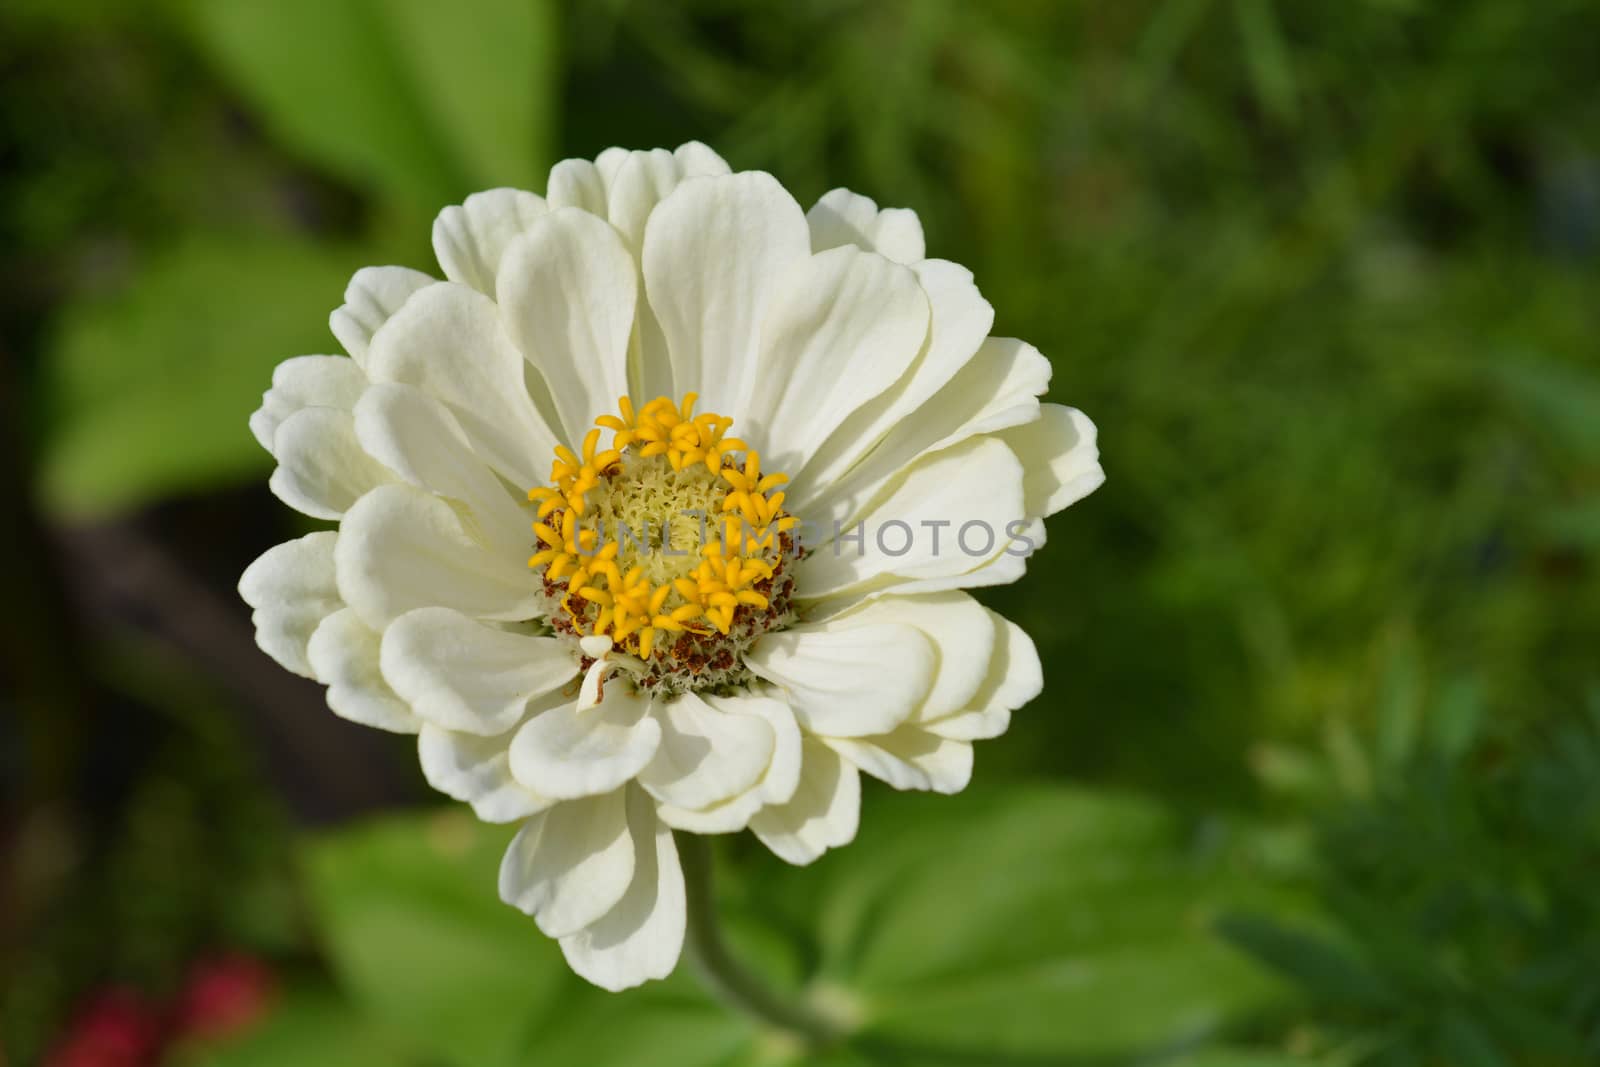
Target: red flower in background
x,y
116,1028
224,996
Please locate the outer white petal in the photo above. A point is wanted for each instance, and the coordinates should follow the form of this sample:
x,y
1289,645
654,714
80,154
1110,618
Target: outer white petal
x,y
846,325
845,218
707,754
291,589
458,673
570,865
344,653
303,382
568,289
778,782
642,937
1059,453
448,341
910,758
635,183
322,468
977,725
1014,677
372,297
962,631
476,770
823,813
971,494
960,320
582,184
564,752
848,680
416,436
696,159
643,179
401,548
715,252
471,239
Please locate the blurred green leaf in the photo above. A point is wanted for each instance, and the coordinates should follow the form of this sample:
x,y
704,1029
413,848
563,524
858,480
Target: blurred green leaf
x,y
1321,967
149,391
408,909
426,100
1267,57
1561,399
310,1027
1030,922
1227,1057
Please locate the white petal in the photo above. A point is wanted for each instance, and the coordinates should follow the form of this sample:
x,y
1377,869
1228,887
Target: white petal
x,y
910,758
635,182
642,937
963,635
823,813
1060,457
344,653
458,673
568,289
471,239
416,436
960,320
848,681
696,160
972,725
707,754
970,495
643,179
401,548
1014,677
303,382
777,783
564,752
997,388
476,770
448,341
570,865
370,300
640,184
845,218
577,183
715,252
845,326
291,588
609,162
322,468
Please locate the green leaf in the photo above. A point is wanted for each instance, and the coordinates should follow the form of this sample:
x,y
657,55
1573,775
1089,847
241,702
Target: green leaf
x,y
410,915
1561,399
424,100
149,391
310,1027
1312,961
1027,922
1230,1057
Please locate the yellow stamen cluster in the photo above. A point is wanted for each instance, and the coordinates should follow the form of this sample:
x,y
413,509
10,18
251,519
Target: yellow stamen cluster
x,y
663,459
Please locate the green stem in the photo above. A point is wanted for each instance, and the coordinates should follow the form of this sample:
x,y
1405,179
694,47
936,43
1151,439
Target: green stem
x,y
727,979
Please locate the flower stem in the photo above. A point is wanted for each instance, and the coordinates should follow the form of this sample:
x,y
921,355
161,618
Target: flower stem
x,y
725,977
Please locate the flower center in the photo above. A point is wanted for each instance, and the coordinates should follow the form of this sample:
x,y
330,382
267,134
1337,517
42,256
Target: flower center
x,y
671,542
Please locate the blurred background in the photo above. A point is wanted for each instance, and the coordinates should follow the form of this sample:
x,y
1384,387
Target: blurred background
x,y
1316,774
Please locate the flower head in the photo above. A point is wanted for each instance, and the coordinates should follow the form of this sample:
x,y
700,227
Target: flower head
x,y
655,515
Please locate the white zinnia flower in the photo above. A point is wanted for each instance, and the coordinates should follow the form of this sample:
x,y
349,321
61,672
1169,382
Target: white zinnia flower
x,y
659,336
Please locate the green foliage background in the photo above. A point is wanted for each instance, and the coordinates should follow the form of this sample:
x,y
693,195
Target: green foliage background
x,y
1316,773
